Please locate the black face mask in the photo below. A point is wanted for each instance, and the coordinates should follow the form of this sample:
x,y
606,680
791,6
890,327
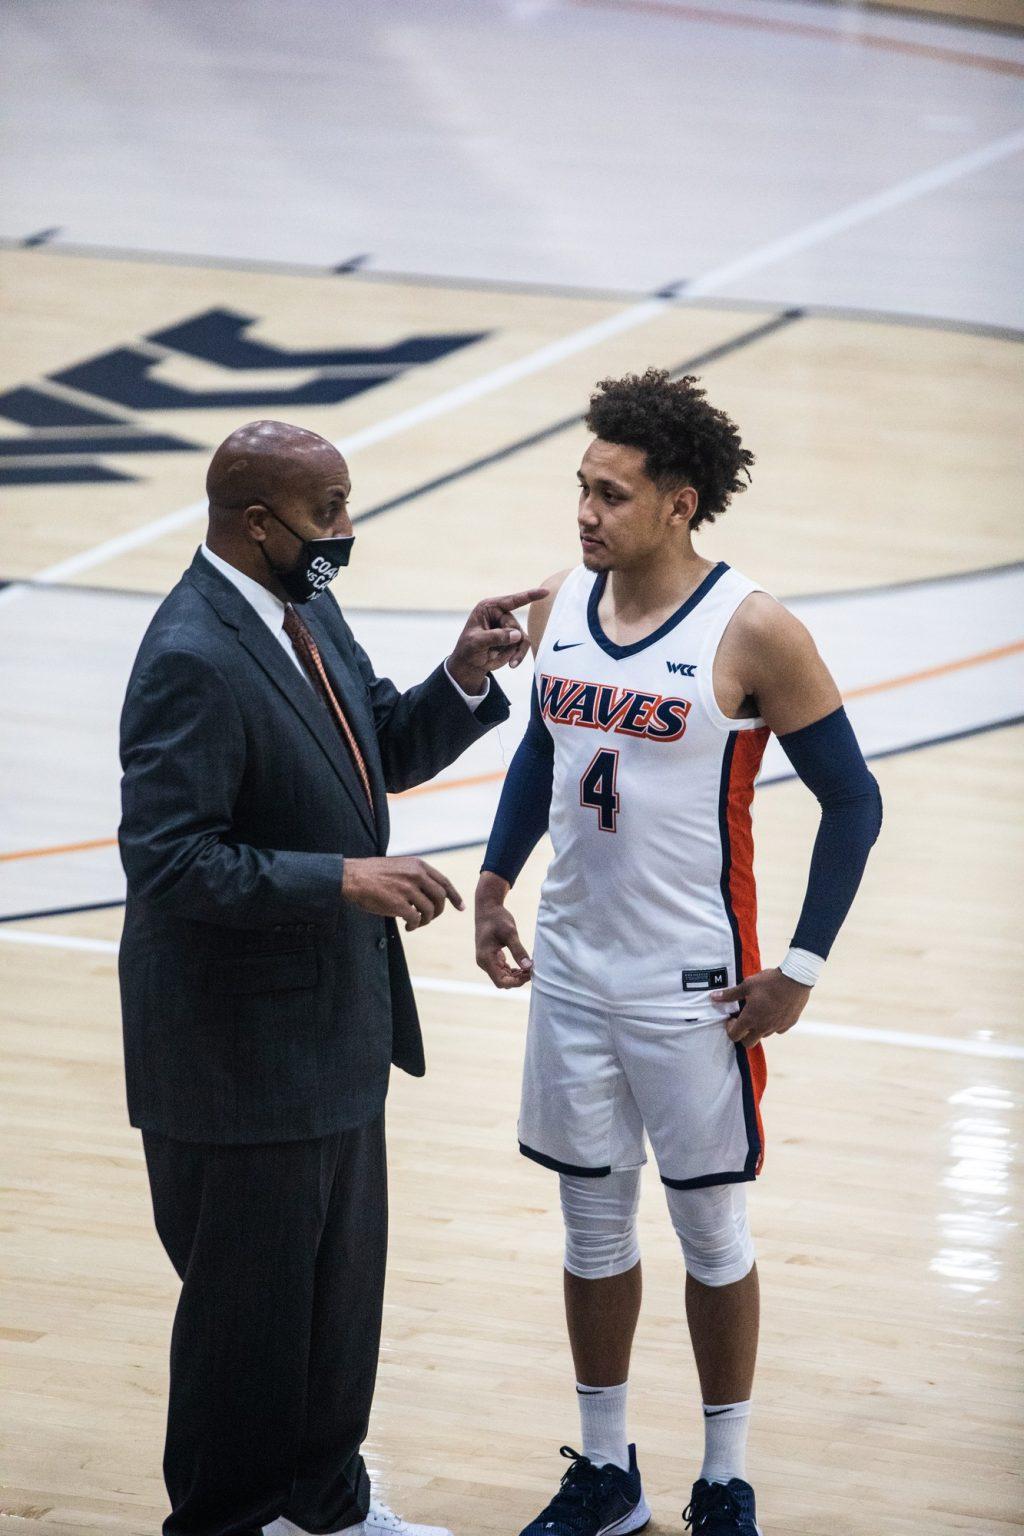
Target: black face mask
x,y
318,563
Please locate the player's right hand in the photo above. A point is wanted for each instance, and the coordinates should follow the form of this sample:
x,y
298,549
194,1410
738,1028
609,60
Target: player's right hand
x,y
496,932
399,887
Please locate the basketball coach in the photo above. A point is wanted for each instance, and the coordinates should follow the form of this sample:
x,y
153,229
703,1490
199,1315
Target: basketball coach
x,y
264,990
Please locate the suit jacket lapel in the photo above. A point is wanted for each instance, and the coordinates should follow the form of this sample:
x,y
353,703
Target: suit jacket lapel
x,y
254,635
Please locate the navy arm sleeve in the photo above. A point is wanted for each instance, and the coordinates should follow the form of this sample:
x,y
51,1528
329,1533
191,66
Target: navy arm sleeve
x,y
828,759
522,816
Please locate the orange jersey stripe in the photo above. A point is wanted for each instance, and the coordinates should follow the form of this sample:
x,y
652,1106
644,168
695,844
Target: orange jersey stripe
x,y
746,760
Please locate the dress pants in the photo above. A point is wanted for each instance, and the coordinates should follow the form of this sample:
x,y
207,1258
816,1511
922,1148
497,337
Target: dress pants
x,y
281,1252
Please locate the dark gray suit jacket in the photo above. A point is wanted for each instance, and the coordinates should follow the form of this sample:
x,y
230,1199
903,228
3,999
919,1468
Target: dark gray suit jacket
x,y
257,1004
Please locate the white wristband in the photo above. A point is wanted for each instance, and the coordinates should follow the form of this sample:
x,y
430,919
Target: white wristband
x,y
800,965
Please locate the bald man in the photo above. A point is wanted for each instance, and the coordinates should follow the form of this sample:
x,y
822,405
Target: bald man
x,y
264,990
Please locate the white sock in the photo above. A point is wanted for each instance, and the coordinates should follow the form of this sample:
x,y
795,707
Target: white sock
x,y
603,1422
725,1441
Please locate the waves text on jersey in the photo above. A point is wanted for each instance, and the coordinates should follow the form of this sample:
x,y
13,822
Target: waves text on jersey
x,y
603,707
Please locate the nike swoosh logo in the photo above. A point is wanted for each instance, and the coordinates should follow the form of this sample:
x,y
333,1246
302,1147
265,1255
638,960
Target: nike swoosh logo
x,y
559,646
717,1414
598,1391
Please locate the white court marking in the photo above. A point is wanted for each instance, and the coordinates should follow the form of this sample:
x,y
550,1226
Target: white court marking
x,y
757,260
857,213
997,1049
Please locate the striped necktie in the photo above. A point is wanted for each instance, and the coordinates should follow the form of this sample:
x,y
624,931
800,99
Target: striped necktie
x,y
308,652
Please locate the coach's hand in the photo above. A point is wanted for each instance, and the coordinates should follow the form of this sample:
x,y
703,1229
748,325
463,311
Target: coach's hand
x,y
772,1003
496,932
491,638
399,887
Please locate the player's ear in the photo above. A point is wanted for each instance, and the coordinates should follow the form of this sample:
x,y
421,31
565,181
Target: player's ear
x,y
684,504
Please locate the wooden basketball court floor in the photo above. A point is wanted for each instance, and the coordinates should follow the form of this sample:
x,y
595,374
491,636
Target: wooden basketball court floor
x,y
885,505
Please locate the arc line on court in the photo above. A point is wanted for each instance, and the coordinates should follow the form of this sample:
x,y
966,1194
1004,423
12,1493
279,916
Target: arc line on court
x,y
902,1039
464,283
835,34
634,316
923,14
837,593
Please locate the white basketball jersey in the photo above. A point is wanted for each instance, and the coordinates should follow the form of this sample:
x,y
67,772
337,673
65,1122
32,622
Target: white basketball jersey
x,y
649,901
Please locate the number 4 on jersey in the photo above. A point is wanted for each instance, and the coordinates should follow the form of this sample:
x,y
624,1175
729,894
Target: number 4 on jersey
x,y
597,788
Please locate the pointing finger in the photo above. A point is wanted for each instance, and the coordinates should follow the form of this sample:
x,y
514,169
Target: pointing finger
x,y
517,599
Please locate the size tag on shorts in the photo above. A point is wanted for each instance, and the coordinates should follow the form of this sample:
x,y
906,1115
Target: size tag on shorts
x,y
703,981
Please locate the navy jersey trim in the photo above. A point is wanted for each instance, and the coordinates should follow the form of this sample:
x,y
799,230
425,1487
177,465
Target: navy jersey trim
x,y
557,1167
620,652
754,1148
708,1180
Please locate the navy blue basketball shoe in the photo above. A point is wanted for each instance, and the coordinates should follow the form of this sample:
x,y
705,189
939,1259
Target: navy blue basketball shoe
x,y
722,1509
594,1501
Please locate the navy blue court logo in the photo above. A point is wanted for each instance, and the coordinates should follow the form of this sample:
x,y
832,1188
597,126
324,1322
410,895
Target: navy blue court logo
x,y
72,417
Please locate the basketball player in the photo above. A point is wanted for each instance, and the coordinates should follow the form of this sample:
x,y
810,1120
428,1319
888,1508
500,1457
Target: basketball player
x,y
659,677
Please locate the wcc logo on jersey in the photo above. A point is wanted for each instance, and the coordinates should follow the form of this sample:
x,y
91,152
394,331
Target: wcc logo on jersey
x,y
74,416
603,707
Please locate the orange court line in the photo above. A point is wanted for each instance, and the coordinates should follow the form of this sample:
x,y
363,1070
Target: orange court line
x,y
940,671
42,853
805,29
436,787
439,786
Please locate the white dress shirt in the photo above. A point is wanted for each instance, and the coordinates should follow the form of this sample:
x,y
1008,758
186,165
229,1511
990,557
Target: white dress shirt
x,y
271,611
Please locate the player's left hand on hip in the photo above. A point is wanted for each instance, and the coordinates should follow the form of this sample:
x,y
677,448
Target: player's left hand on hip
x,y
772,1003
491,638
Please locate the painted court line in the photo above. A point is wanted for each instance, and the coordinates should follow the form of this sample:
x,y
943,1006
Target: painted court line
x,y
61,941
628,319
859,213
894,1037
43,853
838,34
906,1039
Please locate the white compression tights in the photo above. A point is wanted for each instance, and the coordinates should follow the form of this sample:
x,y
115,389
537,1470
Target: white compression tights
x,y
601,1235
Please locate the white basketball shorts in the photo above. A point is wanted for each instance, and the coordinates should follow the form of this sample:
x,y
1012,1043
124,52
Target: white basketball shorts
x,y
595,1081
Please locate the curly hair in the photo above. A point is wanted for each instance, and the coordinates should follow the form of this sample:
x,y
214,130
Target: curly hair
x,y
686,440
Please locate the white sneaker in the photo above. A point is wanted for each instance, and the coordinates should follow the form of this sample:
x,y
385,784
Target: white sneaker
x,y
380,1521
381,1518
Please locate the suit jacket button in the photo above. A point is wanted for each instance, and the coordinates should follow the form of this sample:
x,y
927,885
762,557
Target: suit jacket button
x,y
382,942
